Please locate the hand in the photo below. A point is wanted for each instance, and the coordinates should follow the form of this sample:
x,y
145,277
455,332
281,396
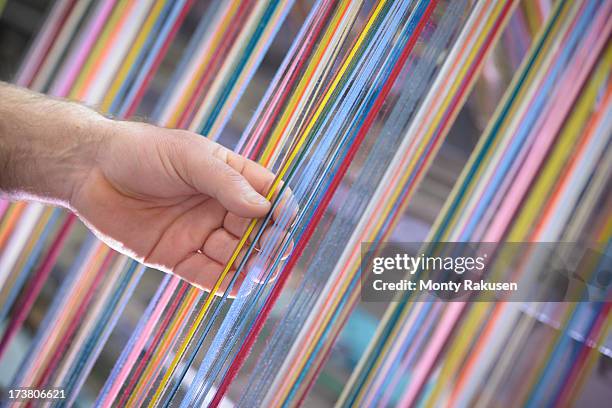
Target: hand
x,y
169,198
172,199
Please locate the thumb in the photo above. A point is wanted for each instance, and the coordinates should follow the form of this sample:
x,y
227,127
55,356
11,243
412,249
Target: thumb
x,y
206,166
234,192
214,177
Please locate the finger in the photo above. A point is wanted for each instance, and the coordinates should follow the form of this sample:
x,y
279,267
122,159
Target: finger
x,y
262,181
286,204
287,251
235,225
257,175
208,171
203,272
187,232
221,245
271,240
287,208
235,193
257,268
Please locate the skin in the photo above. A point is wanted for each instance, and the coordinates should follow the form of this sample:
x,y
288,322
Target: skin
x,y
171,199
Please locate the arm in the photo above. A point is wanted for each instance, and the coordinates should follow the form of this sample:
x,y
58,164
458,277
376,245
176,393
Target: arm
x,y
46,145
169,198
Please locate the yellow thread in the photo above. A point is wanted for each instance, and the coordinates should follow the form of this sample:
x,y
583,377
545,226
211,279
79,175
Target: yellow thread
x,y
130,58
218,36
408,172
304,81
270,194
153,362
521,229
98,48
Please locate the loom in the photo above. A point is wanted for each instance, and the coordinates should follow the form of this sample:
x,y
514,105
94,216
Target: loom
x,y
352,120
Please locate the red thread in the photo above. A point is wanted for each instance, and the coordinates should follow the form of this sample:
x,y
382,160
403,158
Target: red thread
x,y
254,332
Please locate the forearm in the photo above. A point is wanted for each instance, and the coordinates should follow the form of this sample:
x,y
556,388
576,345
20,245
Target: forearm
x,y
46,145
170,198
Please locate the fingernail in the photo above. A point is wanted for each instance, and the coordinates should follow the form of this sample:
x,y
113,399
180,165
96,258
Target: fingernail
x,y
255,198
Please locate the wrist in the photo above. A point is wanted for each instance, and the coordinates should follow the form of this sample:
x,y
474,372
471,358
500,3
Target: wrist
x,y
90,136
48,146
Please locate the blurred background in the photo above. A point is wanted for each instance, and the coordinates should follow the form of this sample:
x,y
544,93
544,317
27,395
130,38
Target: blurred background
x,y
21,20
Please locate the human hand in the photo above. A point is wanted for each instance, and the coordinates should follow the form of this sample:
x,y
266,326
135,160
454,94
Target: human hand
x,y
171,199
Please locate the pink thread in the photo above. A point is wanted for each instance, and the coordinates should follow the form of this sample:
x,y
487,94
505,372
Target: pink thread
x,y
77,58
